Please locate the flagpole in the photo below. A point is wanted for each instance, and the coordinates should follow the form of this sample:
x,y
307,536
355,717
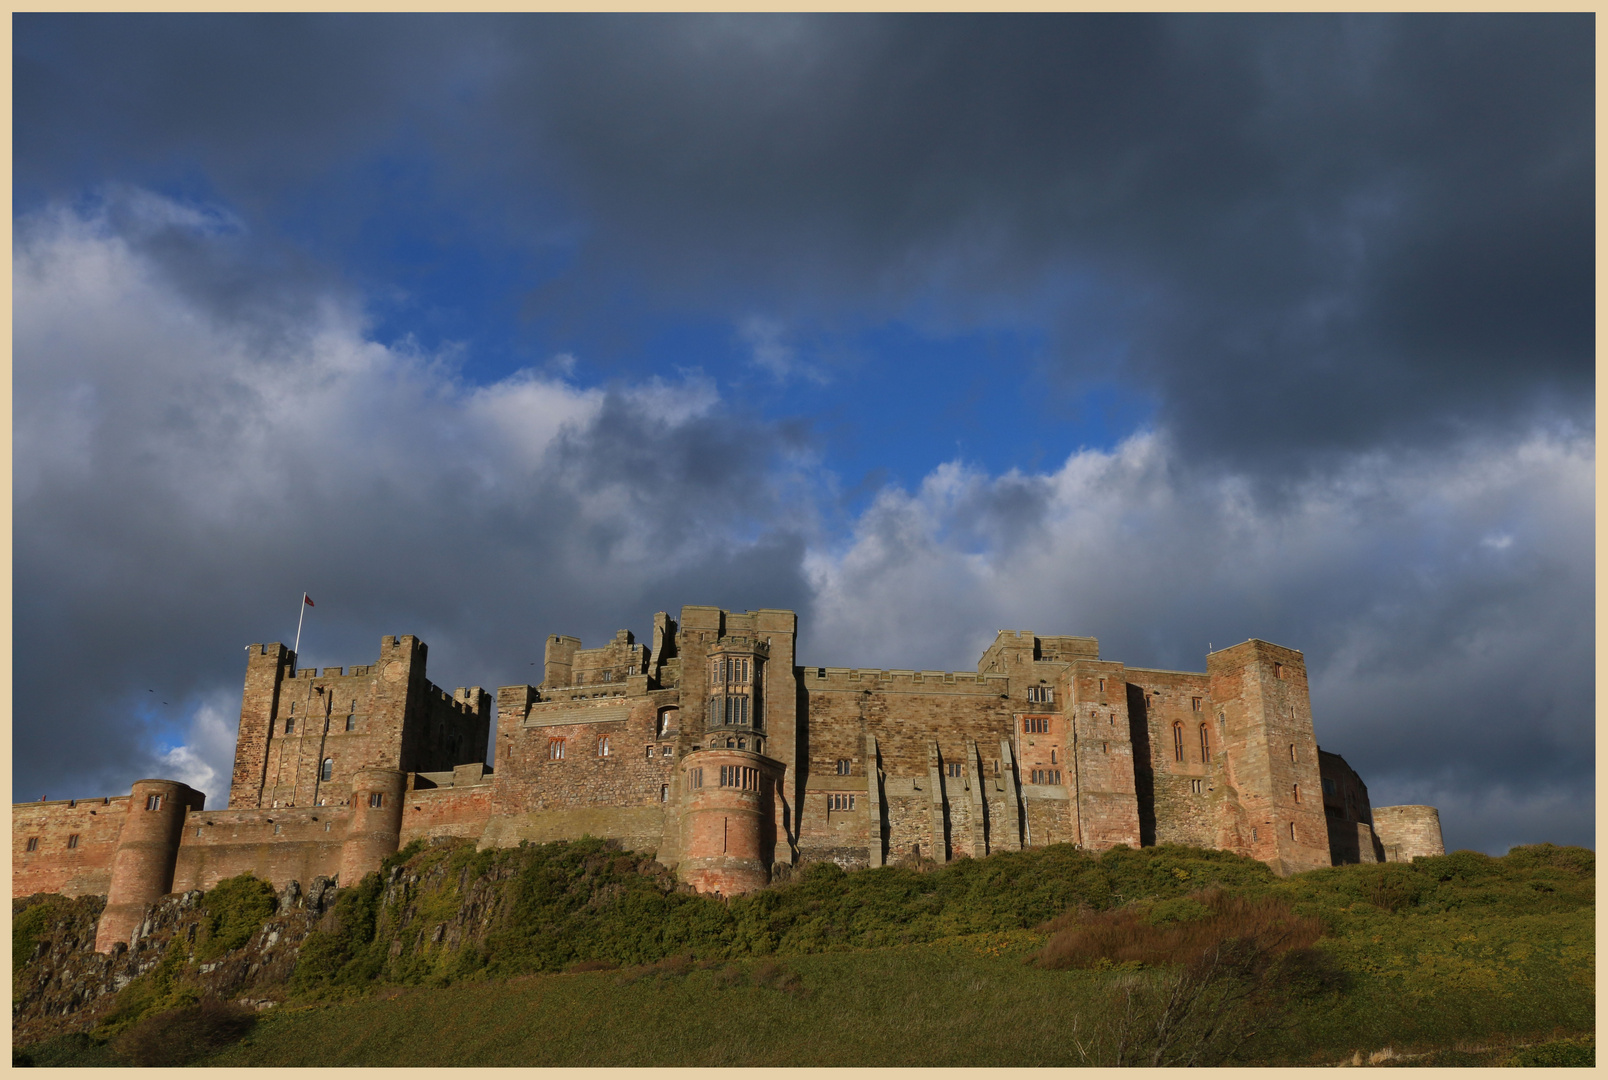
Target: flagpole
x,y
299,617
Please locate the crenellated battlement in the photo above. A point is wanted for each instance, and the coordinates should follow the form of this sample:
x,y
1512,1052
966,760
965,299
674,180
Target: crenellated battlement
x,y
720,752
908,679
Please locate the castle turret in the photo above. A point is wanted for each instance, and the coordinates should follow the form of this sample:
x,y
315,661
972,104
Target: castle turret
x,y
266,670
1264,716
1407,832
376,828
147,848
728,829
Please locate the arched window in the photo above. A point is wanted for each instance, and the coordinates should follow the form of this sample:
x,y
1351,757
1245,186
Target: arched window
x,y
603,746
326,770
290,723
1178,742
1205,744
667,719
664,792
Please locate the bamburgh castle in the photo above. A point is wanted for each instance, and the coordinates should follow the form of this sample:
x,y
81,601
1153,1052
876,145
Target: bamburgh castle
x,y
716,748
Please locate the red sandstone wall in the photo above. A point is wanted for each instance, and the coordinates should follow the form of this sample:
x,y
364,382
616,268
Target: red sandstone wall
x,y
450,811
278,846
53,867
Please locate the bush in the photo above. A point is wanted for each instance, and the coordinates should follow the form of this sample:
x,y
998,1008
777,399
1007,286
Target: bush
x,y
234,908
28,927
1579,1053
180,1036
1088,939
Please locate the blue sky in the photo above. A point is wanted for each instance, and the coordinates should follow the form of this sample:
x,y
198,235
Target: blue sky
x,y
1167,330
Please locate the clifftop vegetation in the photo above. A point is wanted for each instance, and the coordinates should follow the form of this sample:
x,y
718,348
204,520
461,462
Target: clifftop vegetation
x,y
1162,955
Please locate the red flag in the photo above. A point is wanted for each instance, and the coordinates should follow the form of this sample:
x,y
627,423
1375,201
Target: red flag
x,y
308,600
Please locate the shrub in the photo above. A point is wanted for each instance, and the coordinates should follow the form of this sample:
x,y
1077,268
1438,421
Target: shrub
x,y
234,908
1085,938
180,1036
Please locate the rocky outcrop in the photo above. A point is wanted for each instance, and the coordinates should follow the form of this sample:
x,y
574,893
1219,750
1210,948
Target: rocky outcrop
x,y
65,985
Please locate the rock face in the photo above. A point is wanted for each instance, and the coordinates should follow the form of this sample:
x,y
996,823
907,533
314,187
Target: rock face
x,y
65,985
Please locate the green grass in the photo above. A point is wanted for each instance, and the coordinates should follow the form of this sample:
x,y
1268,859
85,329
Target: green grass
x,y
1458,960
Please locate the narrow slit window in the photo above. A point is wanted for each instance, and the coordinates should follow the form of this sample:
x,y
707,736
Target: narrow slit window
x,y
664,792
72,841
1292,751
33,843
1295,789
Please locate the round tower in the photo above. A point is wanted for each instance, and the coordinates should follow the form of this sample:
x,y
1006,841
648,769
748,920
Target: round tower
x,y
1406,832
376,827
728,828
147,848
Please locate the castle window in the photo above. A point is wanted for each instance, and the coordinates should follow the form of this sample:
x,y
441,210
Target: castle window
x,y
608,676
1292,751
1102,686
650,753
1278,671
953,768
1046,776
1052,757
153,802
664,752
1039,725
664,792
1292,830
742,744
351,722
667,717
1040,694
820,673
840,802
1195,786
290,724
1296,789
603,746
1178,742
1205,744
1253,836
715,709
1105,748
327,770
695,778
555,749
376,799
1194,703
33,843
843,766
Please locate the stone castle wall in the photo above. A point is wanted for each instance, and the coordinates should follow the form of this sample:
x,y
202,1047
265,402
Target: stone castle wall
x,y
1045,743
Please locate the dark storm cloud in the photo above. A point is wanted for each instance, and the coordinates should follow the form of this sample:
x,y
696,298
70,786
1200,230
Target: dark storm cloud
x,y
176,469
1349,259
1313,233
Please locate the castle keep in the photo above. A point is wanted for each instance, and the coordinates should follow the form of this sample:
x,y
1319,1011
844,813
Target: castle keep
x,y
716,748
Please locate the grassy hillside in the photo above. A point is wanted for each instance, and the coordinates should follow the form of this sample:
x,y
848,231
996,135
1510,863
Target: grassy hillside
x,y
461,958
